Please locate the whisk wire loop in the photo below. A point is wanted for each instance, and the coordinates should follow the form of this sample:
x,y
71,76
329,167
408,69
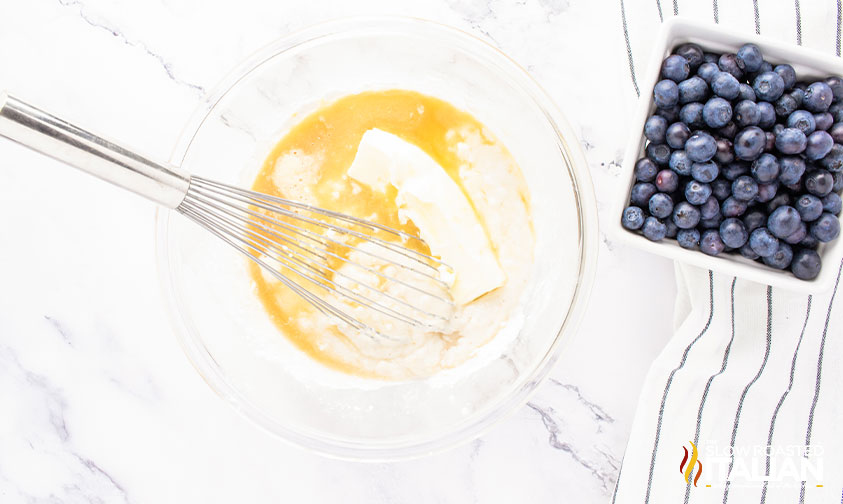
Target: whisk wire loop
x,y
282,236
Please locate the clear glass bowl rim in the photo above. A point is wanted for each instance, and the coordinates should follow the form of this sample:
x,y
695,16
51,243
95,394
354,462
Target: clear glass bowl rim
x,y
577,167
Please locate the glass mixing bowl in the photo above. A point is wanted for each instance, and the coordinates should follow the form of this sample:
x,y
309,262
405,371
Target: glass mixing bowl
x,y
223,328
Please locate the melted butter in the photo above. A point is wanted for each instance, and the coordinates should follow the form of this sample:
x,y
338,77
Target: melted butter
x,y
310,163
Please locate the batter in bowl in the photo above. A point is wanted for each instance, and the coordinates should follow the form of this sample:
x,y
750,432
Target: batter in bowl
x,y
392,157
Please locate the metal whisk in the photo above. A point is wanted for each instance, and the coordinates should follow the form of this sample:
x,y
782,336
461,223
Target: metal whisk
x,y
363,274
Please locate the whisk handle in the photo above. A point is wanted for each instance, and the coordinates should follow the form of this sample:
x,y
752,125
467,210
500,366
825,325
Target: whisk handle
x,y
57,138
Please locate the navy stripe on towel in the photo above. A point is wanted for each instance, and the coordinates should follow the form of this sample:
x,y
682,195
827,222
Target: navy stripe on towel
x,y
748,386
670,380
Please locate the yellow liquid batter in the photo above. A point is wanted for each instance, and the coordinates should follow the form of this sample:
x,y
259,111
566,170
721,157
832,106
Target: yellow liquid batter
x,y
310,163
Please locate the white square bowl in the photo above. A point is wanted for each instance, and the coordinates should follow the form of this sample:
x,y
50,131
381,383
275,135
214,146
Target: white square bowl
x,y
713,38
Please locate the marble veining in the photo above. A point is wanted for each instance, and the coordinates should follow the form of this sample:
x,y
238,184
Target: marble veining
x,y
85,479
114,31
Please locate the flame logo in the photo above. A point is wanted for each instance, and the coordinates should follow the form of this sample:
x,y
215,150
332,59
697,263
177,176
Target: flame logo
x,y
687,471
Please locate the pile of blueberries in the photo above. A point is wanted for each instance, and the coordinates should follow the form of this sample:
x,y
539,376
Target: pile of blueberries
x,y
741,157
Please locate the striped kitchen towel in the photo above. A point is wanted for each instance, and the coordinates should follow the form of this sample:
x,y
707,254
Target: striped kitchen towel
x,y
745,403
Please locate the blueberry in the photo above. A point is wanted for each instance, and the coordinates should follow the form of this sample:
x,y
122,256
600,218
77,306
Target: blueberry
x,y
838,182
688,238
701,147
798,95
666,93
826,228
765,168
707,70
818,97
763,242
769,141
833,161
749,58
729,131
732,171
791,169
692,115
819,182
633,217
766,114
654,229
680,162
711,57
661,205
744,188
733,233
746,114
780,200
692,53
721,189
767,192
729,63
784,221
669,113
791,141
710,242
832,203
659,153
747,252
806,264
768,86
712,223
717,112
641,194
677,134
645,170
787,73
654,129
705,172
795,188
836,111
766,66
803,121
809,207
725,153
710,208
745,92
686,215
754,220
725,85
836,85
675,68
749,143
785,105
733,207
667,181
798,235
819,145
697,193
823,120
809,242
836,132
671,229
781,259
777,129
693,89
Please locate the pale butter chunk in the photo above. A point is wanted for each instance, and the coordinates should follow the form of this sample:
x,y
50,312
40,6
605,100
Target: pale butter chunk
x,y
436,205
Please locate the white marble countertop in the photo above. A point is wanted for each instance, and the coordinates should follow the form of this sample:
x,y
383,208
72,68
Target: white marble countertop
x,y
98,402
